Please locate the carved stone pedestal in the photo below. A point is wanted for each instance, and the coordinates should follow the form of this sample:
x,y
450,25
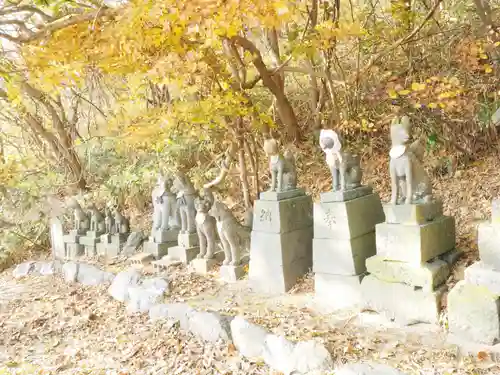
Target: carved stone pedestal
x,y
410,267
90,244
187,250
203,266
111,245
344,237
73,248
160,242
141,259
231,274
281,241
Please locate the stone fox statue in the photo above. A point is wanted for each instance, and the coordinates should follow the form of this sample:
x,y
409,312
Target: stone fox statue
x,y
186,195
205,225
282,167
234,237
109,221
409,181
97,223
81,219
344,166
121,222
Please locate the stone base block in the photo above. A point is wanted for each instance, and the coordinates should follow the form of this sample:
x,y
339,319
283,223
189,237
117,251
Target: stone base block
x,y
71,238
89,241
157,250
141,259
169,235
187,240
345,195
105,238
108,250
163,264
346,220
184,254
483,275
231,274
427,276
93,234
474,313
203,266
74,250
400,302
119,238
90,250
419,213
416,243
80,232
282,216
343,257
488,241
338,291
277,196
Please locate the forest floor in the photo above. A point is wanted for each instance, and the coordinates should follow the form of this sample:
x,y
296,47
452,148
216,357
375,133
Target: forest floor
x,y
49,326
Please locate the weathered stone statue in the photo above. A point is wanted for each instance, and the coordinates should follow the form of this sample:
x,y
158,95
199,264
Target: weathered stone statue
x,y
109,221
168,207
409,181
97,223
81,220
234,236
344,166
186,194
121,222
282,167
205,225
156,194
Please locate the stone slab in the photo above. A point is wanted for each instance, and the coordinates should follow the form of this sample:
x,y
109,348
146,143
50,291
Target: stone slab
x,y
169,235
278,260
141,259
187,240
184,254
93,234
343,257
474,313
488,241
427,276
403,303
278,196
71,238
108,250
74,250
338,291
203,266
346,220
162,264
231,274
482,274
420,213
89,241
345,195
157,250
416,243
283,216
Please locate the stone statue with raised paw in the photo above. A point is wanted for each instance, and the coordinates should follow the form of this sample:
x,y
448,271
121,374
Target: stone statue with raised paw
x,y
344,166
409,181
186,194
282,167
205,225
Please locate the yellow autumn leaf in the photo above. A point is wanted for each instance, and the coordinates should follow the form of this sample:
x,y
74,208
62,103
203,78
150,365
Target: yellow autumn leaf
x,y
442,105
483,56
415,86
392,94
417,105
432,105
455,81
404,92
487,68
497,44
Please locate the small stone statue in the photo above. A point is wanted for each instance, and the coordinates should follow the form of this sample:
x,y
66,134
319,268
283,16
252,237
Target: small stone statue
x,y
109,221
186,194
282,167
165,213
233,235
344,166
409,181
156,194
96,219
121,222
205,225
81,220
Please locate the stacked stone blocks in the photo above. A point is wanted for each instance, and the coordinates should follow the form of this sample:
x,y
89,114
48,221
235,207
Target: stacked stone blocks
x,y
344,237
407,276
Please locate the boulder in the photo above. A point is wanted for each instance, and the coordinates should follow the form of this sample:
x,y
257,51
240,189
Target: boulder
x,y
119,288
210,326
70,271
134,241
179,312
90,275
311,357
46,268
144,296
278,353
23,269
248,338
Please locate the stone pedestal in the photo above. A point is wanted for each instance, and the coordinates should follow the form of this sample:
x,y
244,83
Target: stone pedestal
x,y
159,243
415,249
474,303
111,245
281,241
73,248
231,274
344,237
187,248
90,242
203,266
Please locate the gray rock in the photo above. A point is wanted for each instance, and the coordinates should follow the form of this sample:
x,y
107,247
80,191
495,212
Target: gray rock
x,y
210,326
90,275
367,369
45,268
180,312
488,238
248,338
311,357
143,297
122,282
23,269
70,271
278,353
134,241
495,117
482,274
